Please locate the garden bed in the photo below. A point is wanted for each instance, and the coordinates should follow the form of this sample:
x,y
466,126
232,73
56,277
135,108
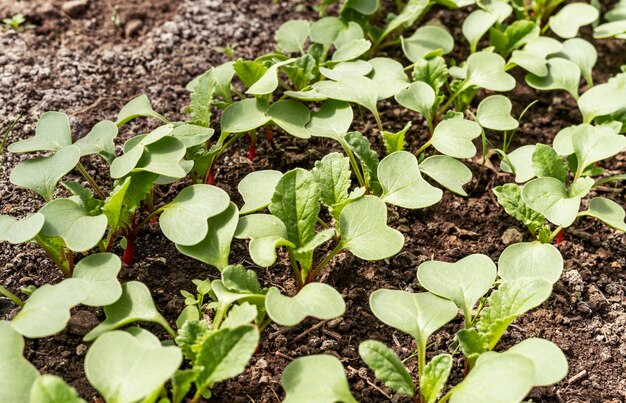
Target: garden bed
x,y
81,63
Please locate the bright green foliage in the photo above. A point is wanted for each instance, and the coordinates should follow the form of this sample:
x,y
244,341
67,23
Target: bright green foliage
x,y
269,80
547,163
291,116
494,112
134,305
510,198
435,376
607,211
137,107
243,314
395,141
257,189
332,174
550,362
51,134
20,231
427,41
245,115
571,17
530,260
360,146
419,97
316,379
453,137
433,72
16,374
387,367
520,162
549,197
448,172
514,36
100,272
333,120
562,74
52,389
125,369
99,141
184,221
266,232
318,300
292,35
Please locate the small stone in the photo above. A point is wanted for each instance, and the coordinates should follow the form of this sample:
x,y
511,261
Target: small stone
x,y
82,322
75,8
81,349
334,323
133,27
511,236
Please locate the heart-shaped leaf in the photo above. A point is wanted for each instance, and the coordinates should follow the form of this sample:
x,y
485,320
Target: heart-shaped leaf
x,y
333,120
530,260
51,134
20,231
499,379
607,211
215,247
356,89
100,272
402,183
595,145
244,115
476,25
136,107
52,389
344,69
99,141
562,74
351,50
550,362
494,112
463,282
269,81
522,164
257,189
291,116
583,54
192,135
134,305
124,370
41,175
266,233
320,377
425,41
453,137
549,197
448,172
47,311
318,300
486,70
67,220
570,18
325,30
418,97
184,219
292,35
388,76
603,99
387,367
364,230
418,315
16,373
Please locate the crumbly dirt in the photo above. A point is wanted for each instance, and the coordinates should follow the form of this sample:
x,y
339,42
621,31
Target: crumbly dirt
x,y
89,61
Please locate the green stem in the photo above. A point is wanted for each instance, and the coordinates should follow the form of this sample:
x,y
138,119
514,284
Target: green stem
x,y
422,148
353,162
322,223
81,168
54,255
325,261
610,179
554,233
379,123
421,363
445,106
11,296
294,268
147,219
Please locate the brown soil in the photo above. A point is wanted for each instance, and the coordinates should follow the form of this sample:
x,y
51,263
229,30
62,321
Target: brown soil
x,y
83,63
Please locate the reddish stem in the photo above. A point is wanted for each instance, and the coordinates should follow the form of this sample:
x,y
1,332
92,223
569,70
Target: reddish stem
x,y
258,348
560,236
211,178
129,252
252,151
154,220
269,134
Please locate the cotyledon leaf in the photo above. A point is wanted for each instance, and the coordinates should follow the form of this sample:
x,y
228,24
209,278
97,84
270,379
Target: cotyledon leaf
x,y
291,116
51,134
549,197
607,211
20,231
521,161
448,172
266,233
99,141
530,259
317,300
136,107
332,120
244,115
17,375
100,272
494,112
257,189
52,389
269,81
570,18
453,137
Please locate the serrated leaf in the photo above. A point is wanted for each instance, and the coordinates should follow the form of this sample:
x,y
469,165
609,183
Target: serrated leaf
x,y
435,376
237,279
433,72
20,231
361,147
453,137
190,336
17,375
317,300
547,163
448,172
387,367
395,141
332,174
607,211
266,233
100,272
201,99
510,198
530,260
52,389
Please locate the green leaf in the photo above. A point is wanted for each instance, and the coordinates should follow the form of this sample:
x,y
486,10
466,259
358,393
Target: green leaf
x,y
486,70
332,174
245,115
583,54
364,230
549,197
463,282
549,361
296,203
476,25
189,313
570,18
499,379
615,28
201,98
100,272
292,35
603,99
316,379
257,189
419,97
356,89
192,135
448,172
99,141
20,231
418,315
237,278
52,389
17,375
84,196
266,233
134,305
136,107
291,116
249,71
453,137
521,161
41,175
360,146
435,376
530,260
333,120
591,146
325,30
514,36
344,69
387,367
388,77
426,41
47,311
240,315
224,354
181,383
184,219
124,370
402,183
607,211
494,112
67,220
562,75
547,163
413,9
51,134
433,72
269,81
318,300
351,50
395,141
190,337
510,198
